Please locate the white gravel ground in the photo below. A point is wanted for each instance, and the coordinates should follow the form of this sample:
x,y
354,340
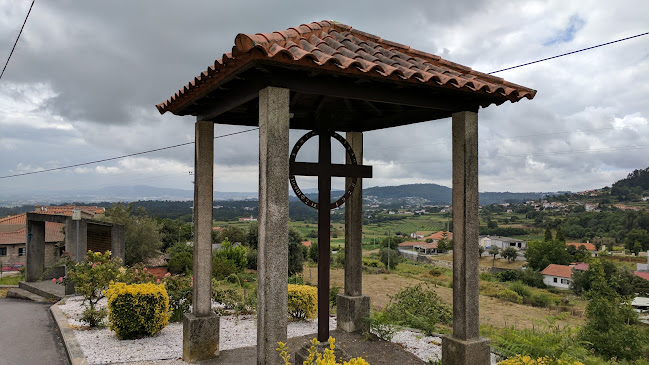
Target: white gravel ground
x,y
101,346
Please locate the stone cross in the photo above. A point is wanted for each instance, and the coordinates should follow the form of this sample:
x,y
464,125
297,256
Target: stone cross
x,y
324,170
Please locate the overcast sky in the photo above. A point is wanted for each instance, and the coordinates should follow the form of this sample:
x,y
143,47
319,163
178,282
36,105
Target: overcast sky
x,y
85,77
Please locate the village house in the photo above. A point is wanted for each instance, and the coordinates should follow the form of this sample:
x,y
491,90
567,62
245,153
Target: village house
x,y
502,242
592,249
248,219
560,276
425,248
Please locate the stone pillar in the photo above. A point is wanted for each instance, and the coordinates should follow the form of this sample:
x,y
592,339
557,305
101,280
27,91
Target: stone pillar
x,y
201,327
117,242
352,306
35,250
71,238
272,262
465,346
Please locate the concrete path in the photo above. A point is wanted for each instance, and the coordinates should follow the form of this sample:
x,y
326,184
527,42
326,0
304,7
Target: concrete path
x,y
29,335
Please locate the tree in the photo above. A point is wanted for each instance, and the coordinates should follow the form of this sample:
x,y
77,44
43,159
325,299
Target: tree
x,y
252,237
610,330
181,258
173,231
481,250
492,224
233,233
548,234
637,235
142,234
494,251
540,254
559,236
510,254
393,256
313,251
295,252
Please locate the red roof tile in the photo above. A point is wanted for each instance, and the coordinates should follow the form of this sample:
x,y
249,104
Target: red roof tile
x,y
306,243
53,233
641,274
14,219
439,235
581,266
558,270
427,246
589,246
409,244
328,45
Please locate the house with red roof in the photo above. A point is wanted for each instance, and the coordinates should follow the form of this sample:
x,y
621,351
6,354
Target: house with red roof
x,y
560,276
587,245
13,240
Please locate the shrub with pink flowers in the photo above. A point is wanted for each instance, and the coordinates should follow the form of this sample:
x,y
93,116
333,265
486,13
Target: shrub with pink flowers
x,y
91,278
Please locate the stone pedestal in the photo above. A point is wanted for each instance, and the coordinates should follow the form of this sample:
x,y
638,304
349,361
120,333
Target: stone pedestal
x,y
200,337
463,352
353,312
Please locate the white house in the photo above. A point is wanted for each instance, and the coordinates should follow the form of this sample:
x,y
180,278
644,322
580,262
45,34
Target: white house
x,y
558,276
502,242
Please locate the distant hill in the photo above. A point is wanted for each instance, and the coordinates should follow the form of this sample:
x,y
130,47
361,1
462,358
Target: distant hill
x,y
439,194
638,179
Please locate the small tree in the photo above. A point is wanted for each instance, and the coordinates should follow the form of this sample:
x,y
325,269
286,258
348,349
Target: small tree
x,y
510,254
559,236
386,254
142,234
481,250
313,252
295,252
548,235
494,251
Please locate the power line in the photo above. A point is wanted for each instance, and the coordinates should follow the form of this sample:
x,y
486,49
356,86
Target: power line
x,y
569,53
120,157
21,32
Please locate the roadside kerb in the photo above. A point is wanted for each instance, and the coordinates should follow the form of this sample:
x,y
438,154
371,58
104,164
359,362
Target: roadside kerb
x,y
72,346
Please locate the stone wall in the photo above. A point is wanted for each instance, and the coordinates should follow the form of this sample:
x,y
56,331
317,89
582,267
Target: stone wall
x,y
12,255
99,239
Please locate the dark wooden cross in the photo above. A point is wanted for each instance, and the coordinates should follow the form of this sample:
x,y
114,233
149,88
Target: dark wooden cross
x,y
324,170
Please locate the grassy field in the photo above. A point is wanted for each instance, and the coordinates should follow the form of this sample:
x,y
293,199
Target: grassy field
x,y
11,280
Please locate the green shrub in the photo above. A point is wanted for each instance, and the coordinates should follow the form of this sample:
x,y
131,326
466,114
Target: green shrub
x,y
532,278
181,263
486,277
509,296
436,271
137,310
251,259
371,262
180,292
236,255
419,308
302,301
542,300
382,326
509,275
333,295
222,268
520,289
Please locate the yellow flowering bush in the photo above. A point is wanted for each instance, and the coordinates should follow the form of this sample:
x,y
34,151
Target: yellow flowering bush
x,y
325,358
545,360
137,310
302,301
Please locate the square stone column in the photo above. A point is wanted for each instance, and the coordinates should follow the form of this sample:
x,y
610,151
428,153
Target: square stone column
x,y
201,327
352,306
465,346
71,236
118,241
272,261
35,250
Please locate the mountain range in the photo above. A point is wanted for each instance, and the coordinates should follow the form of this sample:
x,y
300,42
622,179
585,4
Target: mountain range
x,y
433,193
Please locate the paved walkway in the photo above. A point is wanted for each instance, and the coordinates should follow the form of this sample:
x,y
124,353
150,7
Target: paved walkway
x,y
29,335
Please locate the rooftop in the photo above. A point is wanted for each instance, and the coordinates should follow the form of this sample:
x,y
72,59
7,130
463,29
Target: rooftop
x,y
349,79
563,271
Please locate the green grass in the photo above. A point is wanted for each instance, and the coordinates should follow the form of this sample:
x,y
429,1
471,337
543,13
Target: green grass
x,y
11,280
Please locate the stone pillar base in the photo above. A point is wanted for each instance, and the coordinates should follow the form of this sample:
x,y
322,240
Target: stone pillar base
x,y
465,352
200,337
353,313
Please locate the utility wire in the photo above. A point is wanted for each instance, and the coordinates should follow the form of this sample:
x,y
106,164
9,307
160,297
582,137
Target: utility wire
x,y
120,157
14,47
569,53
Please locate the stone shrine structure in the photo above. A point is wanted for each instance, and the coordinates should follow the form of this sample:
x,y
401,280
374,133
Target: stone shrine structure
x,y
327,77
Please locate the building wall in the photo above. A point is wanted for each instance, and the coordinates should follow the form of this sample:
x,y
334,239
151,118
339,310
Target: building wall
x,y
561,283
99,238
52,254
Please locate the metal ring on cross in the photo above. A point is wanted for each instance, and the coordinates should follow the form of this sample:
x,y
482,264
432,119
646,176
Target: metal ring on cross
x,y
352,159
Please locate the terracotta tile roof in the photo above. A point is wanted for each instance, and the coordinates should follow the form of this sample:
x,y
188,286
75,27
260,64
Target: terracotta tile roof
x,y
52,234
589,246
439,235
563,271
641,274
14,219
335,47
306,243
409,244
67,209
581,266
427,246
